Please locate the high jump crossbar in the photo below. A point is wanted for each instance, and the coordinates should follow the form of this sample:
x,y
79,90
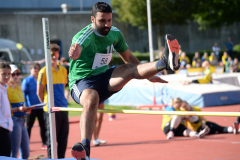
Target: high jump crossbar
x,y
182,113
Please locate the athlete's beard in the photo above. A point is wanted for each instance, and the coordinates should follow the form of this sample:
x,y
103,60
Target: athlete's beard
x,y
101,30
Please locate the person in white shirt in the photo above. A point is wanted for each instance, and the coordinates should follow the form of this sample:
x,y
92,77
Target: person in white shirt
x,y
6,123
216,50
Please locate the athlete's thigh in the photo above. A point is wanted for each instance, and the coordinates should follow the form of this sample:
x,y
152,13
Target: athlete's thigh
x,y
86,89
121,75
89,97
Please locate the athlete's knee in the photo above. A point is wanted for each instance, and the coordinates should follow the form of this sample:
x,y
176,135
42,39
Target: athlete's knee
x,y
89,99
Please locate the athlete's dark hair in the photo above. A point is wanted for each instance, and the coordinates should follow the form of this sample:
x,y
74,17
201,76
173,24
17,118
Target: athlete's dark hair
x,y
101,7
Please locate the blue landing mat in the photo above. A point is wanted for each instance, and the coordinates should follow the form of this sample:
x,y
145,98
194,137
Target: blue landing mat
x,y
140,92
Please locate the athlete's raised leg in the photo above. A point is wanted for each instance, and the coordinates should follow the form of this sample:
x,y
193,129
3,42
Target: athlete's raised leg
x,y
124,73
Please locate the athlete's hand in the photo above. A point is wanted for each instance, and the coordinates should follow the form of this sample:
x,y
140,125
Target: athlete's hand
x,y
74,51
157,79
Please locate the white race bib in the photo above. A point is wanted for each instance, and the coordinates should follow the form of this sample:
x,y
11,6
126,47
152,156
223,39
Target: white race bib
x,y
101,60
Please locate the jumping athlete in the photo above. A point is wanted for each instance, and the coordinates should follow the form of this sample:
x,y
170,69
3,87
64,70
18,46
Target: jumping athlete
x,y
91,81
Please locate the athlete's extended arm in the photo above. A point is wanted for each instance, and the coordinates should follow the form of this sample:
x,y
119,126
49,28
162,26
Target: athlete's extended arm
x,y
75,51
128,57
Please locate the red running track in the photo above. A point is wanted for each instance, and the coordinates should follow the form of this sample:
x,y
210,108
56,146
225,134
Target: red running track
x,y
139,137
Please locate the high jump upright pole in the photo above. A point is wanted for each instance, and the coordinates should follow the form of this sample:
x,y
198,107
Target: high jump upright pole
x,y
150,40
50,96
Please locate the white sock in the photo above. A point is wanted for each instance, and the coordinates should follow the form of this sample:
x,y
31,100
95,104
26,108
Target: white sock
x,y
230,129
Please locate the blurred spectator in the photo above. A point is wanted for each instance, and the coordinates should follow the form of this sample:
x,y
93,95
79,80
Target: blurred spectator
x,y
29,88
236,128
205,57
198,123
175,125
180,50
184,60
19,135
207,75
235,66
6,123
228,64
213,59
63,62
229,47
188,66
216,50
59,76
97,128
225,57
196,61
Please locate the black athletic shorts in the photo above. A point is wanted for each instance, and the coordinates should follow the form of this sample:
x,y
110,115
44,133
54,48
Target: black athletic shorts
x,y
99,82
178,131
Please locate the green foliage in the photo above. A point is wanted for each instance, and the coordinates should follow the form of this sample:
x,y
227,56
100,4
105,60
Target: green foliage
x,y
207,13
164,12
237,48
215,13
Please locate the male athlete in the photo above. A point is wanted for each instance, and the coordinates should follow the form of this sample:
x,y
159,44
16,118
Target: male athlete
x,y
90,79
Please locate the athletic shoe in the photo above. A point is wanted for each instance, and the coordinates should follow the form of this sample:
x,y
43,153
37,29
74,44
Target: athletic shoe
x,y
204,132
171,53
235,128
80,152
97,142
44,147
101,141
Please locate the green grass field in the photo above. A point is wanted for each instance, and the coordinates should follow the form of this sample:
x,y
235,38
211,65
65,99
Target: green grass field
x,y
72,104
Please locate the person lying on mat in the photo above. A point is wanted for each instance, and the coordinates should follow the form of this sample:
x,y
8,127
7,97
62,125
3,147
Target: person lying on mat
x,y
207,75
197,123
175,125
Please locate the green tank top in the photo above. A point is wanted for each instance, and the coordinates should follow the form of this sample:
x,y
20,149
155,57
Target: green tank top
x,y
92,43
